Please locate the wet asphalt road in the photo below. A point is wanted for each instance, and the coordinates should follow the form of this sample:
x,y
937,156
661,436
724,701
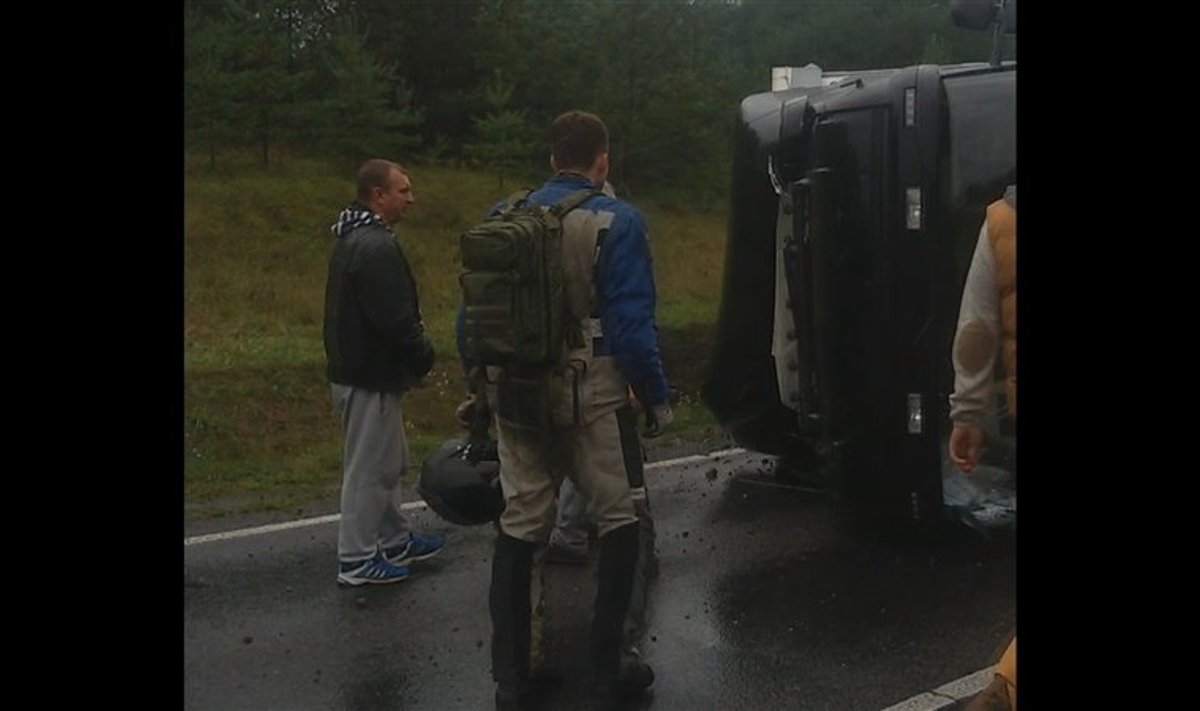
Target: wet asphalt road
x,y
768,597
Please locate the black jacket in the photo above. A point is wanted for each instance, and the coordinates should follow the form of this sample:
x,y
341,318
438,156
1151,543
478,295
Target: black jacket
x,y
374,336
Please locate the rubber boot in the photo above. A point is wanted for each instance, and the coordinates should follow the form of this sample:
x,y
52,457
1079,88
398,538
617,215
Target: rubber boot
x,y
645,570
618,560
542,675
509,601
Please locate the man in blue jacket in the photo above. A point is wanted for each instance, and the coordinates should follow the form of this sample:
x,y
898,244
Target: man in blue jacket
x,y
376,348
611,298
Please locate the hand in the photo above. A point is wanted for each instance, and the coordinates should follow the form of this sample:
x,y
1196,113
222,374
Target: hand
x,y
658,417
966,444
467,411
475,416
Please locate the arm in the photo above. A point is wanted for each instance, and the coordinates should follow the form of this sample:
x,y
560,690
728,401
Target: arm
x,y
629,300
976,342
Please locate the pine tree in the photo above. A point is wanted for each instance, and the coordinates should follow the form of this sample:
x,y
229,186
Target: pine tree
x,y
504,141
207,83
367,109
264,86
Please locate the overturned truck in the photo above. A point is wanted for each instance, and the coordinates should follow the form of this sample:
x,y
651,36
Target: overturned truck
x,y
856,204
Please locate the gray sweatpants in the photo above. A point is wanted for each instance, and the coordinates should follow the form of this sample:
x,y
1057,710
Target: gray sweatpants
x,y
374,459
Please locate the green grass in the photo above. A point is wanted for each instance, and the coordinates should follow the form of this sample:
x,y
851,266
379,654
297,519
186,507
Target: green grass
x,y
259,432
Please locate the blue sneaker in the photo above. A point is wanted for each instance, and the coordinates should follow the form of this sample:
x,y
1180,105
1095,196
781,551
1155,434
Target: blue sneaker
x,y
377,570
418,548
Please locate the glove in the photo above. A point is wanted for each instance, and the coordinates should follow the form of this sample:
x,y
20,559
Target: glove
x,y
658,417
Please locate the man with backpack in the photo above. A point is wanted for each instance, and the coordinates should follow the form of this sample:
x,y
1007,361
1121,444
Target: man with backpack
x,y
564,410
570,539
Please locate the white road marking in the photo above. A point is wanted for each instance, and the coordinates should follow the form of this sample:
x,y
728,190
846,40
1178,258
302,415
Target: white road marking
x,y
947,694
940,697
408,506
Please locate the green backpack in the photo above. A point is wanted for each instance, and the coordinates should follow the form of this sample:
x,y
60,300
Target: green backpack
x,y
515,310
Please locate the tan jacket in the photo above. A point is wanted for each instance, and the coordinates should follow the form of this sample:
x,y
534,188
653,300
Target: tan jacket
x,y
1002,235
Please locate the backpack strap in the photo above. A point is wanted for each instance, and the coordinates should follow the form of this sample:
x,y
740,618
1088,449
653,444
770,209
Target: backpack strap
x,y
572,201
517,198
559,210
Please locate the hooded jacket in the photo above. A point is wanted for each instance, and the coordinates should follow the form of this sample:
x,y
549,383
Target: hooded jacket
x,y
373,333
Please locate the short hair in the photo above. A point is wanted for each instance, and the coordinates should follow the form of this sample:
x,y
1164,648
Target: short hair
x,y
576,139
375,174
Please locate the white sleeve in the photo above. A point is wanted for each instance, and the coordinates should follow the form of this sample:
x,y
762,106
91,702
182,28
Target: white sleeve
x,y
976,338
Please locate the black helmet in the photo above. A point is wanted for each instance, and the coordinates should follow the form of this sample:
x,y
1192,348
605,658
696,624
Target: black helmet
x,y
461,481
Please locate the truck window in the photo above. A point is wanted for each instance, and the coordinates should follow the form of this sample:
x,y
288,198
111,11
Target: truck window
x,y
983,135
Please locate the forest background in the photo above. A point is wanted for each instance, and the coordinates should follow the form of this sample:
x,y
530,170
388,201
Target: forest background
x,y
284,98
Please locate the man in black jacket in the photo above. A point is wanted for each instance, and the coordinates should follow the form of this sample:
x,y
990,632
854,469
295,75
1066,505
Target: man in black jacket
x,y
376,348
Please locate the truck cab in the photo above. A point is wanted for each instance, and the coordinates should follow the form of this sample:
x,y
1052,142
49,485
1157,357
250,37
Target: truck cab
x,y
857,199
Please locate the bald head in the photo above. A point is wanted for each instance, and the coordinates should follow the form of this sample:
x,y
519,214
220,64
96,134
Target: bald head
x,y
385,187
375,173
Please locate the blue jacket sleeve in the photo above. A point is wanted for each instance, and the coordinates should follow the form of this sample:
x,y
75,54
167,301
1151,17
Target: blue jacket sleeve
x,y
628,301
